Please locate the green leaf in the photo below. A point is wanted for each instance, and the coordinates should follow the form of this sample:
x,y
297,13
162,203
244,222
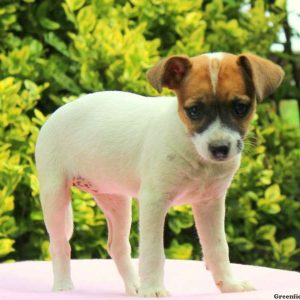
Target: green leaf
x,y
66,82
36,216
272,193
180,217
174,225
270,208
39,115
179,251
266,177
289,111
288,246
243,244
8,87
45,250
34,184
266,232
52,39
86,19
31,86
6,203
49,24
42,11
75,4
6,246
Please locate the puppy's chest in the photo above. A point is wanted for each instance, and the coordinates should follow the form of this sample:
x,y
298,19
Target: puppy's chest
x,y
203,189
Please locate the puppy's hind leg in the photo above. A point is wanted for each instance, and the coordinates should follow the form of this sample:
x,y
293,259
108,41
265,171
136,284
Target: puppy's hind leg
x,y
117,210
57,210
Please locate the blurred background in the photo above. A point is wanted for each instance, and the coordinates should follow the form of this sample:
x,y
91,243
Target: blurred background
x,y
53,51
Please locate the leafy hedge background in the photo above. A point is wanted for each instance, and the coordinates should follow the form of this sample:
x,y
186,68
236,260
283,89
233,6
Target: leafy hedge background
x,y
53,51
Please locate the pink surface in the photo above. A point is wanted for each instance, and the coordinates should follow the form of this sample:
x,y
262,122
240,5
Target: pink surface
x,y
98,279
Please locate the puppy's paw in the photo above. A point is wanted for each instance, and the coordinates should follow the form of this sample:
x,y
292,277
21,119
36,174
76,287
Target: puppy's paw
x,y
63,285
132,288
153,291
233,285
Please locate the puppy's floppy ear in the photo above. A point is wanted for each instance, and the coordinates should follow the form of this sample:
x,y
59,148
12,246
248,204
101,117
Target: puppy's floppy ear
x,y
169,72
264,74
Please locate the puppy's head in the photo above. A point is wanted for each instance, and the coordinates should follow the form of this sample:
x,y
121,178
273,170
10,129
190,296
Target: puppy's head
x,y
217,95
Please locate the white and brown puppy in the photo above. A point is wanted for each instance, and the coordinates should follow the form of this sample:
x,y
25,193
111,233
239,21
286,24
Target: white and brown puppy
x,y
163,150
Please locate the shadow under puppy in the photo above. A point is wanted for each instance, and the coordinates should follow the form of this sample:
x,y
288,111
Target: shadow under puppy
x,y
163,150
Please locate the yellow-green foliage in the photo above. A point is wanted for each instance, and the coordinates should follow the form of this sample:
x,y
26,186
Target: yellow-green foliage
x,y
18,132
53,51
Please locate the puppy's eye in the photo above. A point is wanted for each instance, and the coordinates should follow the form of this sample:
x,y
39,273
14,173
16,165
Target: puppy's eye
x,y
240,109
196,111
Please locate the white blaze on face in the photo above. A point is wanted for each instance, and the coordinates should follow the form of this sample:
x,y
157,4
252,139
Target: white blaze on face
x,y
217,134
214,67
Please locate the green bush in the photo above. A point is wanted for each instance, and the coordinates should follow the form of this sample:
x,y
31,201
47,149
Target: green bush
x,y
53,51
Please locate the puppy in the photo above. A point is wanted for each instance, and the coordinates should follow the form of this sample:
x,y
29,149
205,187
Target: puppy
x,y
163,150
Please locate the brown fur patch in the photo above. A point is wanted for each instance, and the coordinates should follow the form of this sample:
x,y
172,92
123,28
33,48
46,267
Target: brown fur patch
x,y
265,75
230,85
216,81
197,85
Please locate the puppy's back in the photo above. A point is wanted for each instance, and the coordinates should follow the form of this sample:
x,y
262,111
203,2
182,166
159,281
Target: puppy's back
x,y
104,129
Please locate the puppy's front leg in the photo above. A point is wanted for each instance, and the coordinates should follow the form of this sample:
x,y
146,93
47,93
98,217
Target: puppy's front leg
x,y
209,217
153,209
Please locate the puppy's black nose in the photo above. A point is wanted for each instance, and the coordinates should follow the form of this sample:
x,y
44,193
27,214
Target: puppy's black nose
x,y
219,151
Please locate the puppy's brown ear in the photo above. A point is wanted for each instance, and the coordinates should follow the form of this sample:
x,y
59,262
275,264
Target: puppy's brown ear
x,y
264,74
169,72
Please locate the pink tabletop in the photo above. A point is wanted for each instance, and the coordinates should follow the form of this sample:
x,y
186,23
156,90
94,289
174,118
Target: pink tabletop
x,y
99,279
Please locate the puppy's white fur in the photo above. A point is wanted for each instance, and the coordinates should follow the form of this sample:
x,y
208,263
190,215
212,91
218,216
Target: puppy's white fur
x,y
217,132
126,145
214,67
